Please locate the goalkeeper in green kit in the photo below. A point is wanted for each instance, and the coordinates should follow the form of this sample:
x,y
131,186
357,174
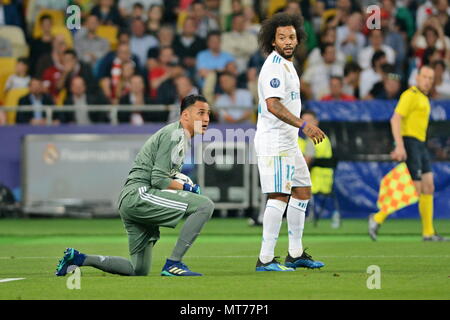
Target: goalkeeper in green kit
x,y
151,198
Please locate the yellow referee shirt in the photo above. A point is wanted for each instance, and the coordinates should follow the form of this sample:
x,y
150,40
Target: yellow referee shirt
x,y
414,107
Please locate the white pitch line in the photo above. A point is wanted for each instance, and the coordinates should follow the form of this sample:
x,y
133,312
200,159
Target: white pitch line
x,y
11,279
9,258
252,256
357,257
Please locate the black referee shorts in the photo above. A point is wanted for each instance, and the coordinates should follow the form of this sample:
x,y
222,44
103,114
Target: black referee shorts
x,y
418,158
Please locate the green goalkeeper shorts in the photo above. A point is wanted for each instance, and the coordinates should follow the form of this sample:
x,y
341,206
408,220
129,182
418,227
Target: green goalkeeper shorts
x,y
144,210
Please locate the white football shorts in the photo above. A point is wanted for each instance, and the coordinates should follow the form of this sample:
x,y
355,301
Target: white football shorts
x,y
279,174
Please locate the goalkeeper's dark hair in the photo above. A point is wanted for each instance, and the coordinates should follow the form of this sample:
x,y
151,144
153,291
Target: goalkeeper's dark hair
x,y
269,28
191,100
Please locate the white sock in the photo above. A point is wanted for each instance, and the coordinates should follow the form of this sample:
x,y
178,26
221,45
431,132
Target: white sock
x,y
273,216
296,223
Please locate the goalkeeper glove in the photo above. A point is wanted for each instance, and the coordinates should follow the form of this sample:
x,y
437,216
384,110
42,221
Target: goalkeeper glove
x,y
191,188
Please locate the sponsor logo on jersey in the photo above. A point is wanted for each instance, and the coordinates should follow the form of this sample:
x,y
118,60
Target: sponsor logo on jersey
x,y
295,95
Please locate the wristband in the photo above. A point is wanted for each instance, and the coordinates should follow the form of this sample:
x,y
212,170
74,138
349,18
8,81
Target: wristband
x,y
303,125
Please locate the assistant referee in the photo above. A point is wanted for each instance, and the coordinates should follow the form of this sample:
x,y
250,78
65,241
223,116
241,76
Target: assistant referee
x,y
409,125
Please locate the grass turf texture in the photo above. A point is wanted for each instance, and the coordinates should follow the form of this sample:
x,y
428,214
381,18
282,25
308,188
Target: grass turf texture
x,y
226,254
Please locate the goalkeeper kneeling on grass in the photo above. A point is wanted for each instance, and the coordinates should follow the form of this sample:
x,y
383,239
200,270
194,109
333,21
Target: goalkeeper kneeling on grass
x,y
152,197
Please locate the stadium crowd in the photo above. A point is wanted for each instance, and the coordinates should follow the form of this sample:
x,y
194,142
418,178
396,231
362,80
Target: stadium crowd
x,y
154,52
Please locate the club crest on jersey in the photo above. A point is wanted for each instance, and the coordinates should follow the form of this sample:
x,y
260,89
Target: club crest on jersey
x,y
275,83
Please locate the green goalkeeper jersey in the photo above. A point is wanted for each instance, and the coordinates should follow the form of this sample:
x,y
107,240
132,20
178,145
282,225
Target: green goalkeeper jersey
x,y
160,158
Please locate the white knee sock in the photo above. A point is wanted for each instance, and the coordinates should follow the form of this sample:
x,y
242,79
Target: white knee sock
x,y
273,216
296,222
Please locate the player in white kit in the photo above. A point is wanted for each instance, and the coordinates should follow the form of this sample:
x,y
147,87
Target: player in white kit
x,y
283,172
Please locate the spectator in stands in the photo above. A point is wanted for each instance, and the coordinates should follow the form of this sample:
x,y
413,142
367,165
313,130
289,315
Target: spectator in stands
x,y
352,72
103,66
36,98
107,13
56,79
393,38
166,89
88,45
349,38
441,88
424,12
251,20
372,75
79,98
43,45
111,71
5,48
137,12
211,85
236,8
84,5
316,78
233,97
187,45
389,88
401,15
10,14
21,77
431,36
213,8
53,58
184,87
126,6
327,36
205,21
293,8
343,11
212,59
321,6
443,15
136,97
254,66
376,42
140,43
123,37
166,35
239,42
336,91
430,55
160,72
173,9
155,17
124,84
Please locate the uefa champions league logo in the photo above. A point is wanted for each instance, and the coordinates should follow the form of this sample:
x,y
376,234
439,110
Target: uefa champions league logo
x,y
274,83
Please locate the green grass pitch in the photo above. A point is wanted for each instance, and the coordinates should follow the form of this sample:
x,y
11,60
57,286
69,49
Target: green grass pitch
x,y
226,254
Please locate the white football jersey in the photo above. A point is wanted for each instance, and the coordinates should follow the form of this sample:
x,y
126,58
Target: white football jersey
x,y
278,78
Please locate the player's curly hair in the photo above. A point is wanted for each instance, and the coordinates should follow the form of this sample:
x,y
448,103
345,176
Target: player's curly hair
x,y
269,29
